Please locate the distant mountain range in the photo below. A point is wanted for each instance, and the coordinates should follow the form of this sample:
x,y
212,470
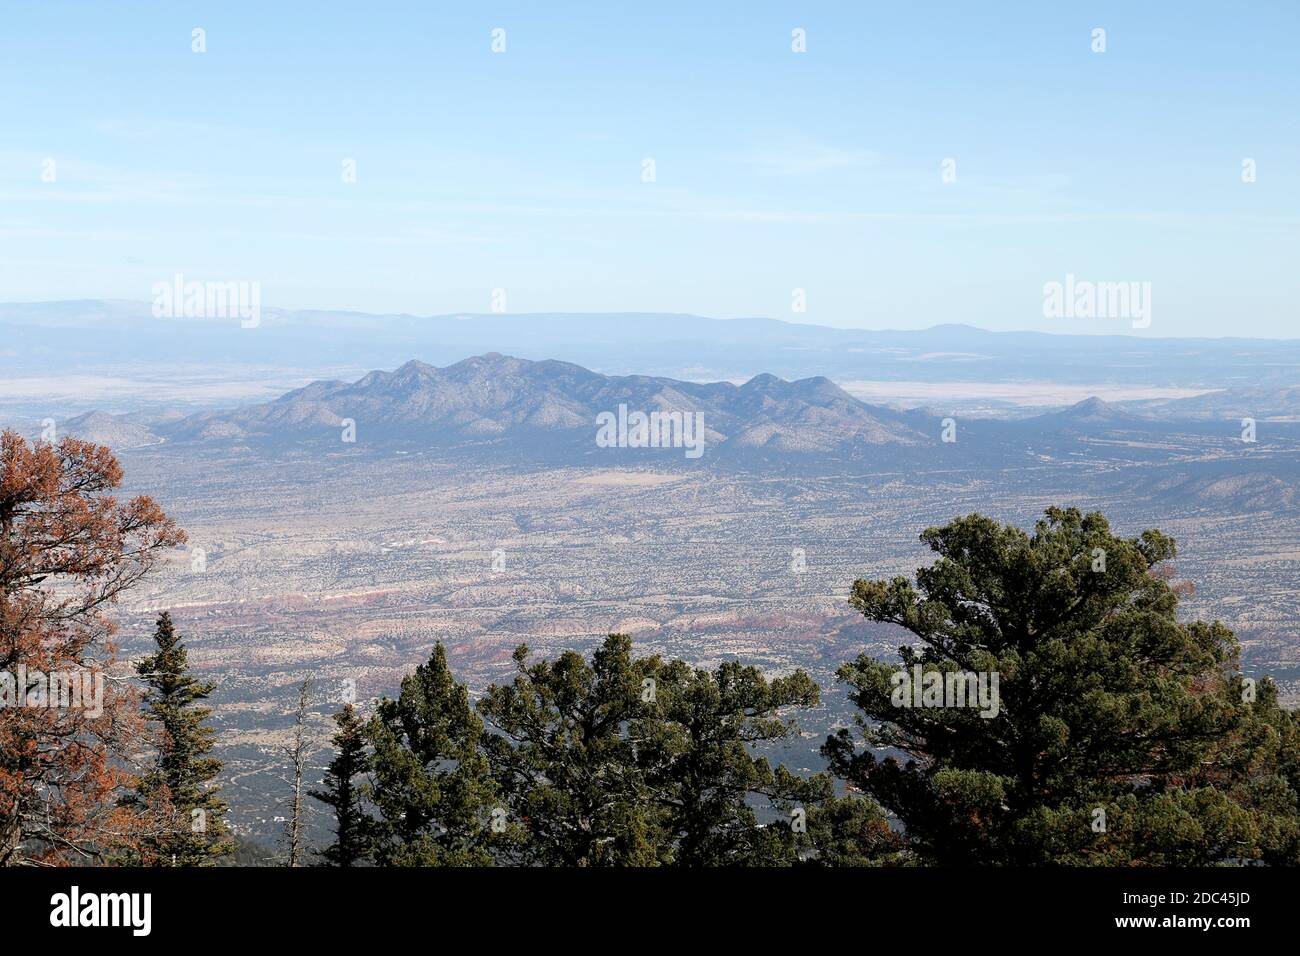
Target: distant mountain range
x,y
123,338
500,410
1278,404
497,399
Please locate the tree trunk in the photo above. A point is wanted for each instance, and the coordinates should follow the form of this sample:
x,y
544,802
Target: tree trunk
x,y
299,755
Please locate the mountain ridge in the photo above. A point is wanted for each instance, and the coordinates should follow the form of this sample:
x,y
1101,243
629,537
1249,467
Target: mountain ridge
x,y
494,396
501,408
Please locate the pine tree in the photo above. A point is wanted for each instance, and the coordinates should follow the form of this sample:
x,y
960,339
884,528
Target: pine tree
x,y
430,776
633,761
848,831
697,746
615,760
341,792
1120,734
562,755
180,779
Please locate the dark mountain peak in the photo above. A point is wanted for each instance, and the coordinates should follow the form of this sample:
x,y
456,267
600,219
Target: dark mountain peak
x,y
820,388
762,382
1090,411
817,391
408,377
488,364
1091,407
489,360
415,367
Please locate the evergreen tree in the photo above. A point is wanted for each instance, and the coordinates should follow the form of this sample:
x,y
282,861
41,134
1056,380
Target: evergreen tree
x,y
179,780
633,761
430,775
697,745
615,760
563,758
1121,735
819,828
848,831
341,792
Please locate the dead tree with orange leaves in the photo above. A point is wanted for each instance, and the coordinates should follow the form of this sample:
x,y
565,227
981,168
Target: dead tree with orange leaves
x,y
68,716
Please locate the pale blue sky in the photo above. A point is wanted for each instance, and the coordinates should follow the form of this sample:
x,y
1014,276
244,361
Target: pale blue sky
x,y
775,170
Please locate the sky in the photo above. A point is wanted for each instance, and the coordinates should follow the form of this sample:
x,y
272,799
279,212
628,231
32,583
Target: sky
x,y
915,164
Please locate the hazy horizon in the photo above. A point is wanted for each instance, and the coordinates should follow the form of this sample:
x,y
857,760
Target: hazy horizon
x,y
881,168
937,326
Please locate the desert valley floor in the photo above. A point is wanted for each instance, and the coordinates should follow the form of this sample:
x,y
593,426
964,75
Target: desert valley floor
x,y
347,567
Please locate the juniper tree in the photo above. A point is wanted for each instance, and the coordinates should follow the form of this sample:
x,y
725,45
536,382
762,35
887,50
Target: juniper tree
x,y
181,777
1122,735
430,776
341,792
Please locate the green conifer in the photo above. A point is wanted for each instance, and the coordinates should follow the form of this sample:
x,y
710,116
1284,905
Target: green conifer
x,y
341,792
194,829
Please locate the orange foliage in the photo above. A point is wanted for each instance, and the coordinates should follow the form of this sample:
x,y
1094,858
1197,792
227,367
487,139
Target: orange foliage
x,y
68,549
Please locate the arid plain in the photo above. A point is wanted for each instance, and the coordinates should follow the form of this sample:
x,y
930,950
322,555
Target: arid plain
x,y
346,566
